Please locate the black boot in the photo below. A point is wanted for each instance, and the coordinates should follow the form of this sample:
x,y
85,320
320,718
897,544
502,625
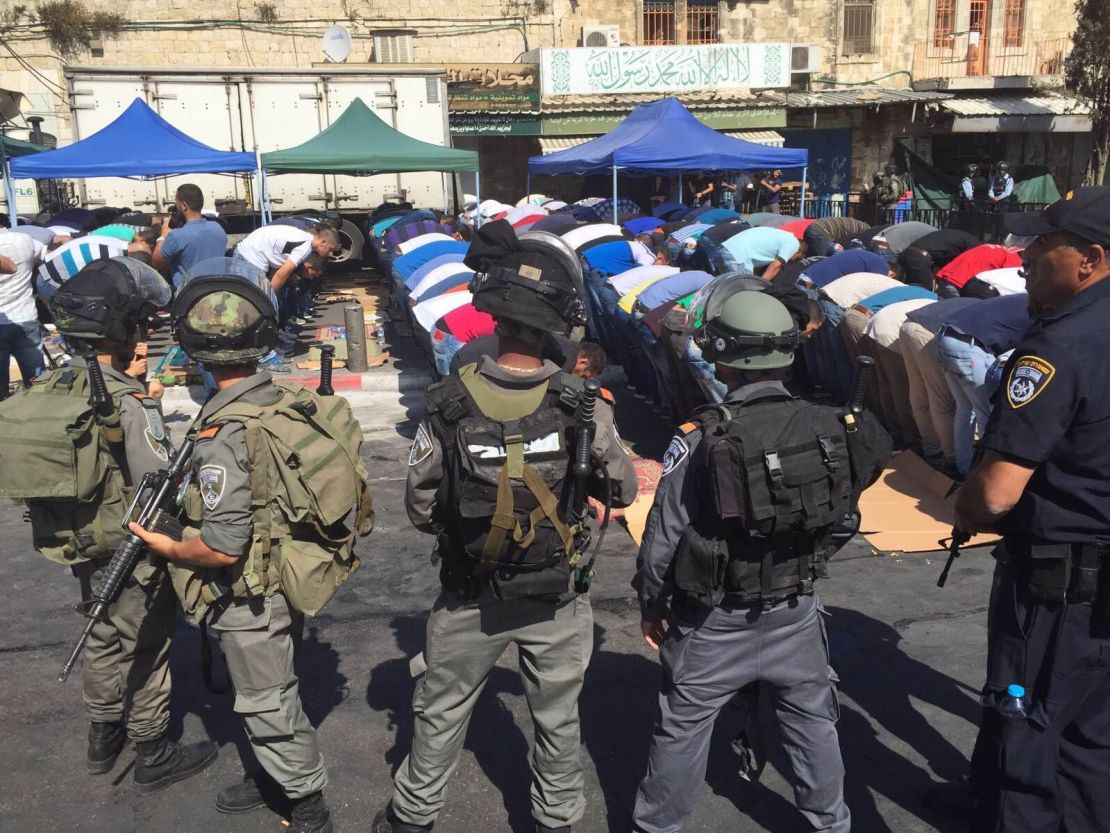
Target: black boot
x,y
159,763
384,822
254,791
953,798
106,741
310,815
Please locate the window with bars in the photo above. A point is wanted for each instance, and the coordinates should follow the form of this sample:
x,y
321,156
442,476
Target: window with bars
x,y
659,22
702,22
858,18
1014,30
944,23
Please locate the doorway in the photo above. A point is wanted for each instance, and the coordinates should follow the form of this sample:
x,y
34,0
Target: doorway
x,y
978,37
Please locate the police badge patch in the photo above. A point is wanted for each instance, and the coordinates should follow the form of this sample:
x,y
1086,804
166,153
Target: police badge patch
x,y
1029,377
676,452
421,446
211,481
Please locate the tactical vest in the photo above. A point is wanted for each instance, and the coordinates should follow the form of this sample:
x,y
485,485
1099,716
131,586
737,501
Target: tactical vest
x,y
310,498
777,477
998,186
56,458
502,500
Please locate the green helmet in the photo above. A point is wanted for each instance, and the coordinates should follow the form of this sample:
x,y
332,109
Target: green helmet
x,y
225,312
739,325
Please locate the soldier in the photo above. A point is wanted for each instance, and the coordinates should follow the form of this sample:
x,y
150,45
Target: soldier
x,y
734,543
889,192
489,475
103,312
275,540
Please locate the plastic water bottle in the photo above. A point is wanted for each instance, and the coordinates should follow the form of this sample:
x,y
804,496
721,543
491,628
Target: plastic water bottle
x,y
1012,703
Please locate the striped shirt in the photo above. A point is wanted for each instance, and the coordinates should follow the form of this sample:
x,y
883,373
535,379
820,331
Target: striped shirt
x,y
70,258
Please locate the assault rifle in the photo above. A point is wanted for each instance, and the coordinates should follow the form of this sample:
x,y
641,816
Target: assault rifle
x,y
327,356
157,498
584,430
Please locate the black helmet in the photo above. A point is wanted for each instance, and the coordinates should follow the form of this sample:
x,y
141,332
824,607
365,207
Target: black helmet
x,y
110,298
1002,167
537,283
972,169
736,322
225,312
890,168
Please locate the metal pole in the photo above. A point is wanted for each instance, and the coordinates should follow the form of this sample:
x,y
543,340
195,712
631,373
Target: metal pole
x,y
478,198
615,169
9,187
802,198
528,187
355,327
680,188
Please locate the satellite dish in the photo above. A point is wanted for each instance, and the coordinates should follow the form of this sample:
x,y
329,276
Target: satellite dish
x,y
11,102
337,44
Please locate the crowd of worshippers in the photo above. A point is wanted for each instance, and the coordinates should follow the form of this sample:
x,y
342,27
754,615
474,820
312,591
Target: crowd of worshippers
x,y
939,310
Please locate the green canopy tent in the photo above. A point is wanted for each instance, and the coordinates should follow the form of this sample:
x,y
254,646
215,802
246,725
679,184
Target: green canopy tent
x,y
9,149
1034,185
359,143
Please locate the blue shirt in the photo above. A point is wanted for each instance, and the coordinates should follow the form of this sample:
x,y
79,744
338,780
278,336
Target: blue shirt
x,y
932,316
610,258
672,288
996,323
420,273
408,263
642,224
196,241
759,246
826,271
896,295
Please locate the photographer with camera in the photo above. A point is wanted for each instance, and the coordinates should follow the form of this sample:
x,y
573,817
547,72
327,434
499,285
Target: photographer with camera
x,y
188,237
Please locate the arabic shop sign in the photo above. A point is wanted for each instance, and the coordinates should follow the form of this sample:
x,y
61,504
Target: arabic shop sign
x,y
494,124
493,87
663,69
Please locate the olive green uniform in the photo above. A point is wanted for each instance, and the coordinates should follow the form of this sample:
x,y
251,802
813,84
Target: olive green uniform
x,y
126,660
258,635
466,637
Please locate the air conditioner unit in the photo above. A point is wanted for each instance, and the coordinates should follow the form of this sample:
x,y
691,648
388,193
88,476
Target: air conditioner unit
x,y
393,47
601,36
805,59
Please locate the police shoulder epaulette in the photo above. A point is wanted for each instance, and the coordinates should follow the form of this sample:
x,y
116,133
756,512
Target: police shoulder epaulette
x,y
607,395
209,433
687,428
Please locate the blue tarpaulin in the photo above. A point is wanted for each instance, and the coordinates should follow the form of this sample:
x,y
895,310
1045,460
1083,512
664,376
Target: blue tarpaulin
x,y
662,137
139,143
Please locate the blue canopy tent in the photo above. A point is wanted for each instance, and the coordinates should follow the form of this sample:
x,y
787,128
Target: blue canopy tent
x,y
139,143
665,137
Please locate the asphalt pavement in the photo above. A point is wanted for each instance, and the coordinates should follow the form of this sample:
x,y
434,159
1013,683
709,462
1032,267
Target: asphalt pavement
x,y
910,658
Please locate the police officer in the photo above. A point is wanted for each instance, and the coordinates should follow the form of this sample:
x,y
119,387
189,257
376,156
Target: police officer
x,y
1002,184
1041,482
733,545
489,475
968,187
103,312
225,316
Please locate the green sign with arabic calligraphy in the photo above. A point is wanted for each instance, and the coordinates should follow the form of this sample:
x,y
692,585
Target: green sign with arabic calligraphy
x,y
493,87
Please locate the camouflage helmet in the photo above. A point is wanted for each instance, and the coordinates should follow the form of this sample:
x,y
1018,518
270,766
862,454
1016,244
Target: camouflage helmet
x,y
225,312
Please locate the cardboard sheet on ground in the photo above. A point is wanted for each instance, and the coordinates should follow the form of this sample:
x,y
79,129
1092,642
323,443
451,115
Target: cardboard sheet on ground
x,y
648,473
906,510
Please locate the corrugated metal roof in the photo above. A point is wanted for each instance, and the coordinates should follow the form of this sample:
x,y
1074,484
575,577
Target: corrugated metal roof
x,y
552,144
1017,105
862,96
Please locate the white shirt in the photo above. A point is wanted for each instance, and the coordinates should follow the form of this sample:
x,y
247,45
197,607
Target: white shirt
x,y
438,274
886,324
414,243
17,300
643,255
851,289
269,247
581,235
1008,281
430,311
626,281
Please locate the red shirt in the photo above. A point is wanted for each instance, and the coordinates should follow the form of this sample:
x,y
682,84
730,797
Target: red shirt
x,y
966,266
466,323
797,228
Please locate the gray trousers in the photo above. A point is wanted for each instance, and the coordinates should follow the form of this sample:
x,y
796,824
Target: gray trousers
x,y
464,642
258,638
125,668
704,665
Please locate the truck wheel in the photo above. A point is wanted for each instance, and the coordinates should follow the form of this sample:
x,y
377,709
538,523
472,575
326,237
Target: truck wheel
x,y
351,241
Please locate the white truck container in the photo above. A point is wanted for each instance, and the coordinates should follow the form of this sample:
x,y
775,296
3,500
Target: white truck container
x,y
263,110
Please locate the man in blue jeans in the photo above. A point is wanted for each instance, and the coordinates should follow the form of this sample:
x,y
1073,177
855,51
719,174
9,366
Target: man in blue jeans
x,y
20,336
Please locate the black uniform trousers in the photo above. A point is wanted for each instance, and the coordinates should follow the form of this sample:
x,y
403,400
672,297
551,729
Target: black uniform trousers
x,y
1049,772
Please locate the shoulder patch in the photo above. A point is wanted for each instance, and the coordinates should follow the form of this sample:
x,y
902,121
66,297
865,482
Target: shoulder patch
x,y
676,452
421,446
155,426
687,427
209,433
607,395
211,481
1029,376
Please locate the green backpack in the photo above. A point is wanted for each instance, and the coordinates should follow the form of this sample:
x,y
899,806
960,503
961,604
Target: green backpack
x,y
310,499
56,459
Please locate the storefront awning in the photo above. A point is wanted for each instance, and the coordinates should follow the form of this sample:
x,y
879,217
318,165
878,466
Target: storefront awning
x,y
1019,113
553,144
